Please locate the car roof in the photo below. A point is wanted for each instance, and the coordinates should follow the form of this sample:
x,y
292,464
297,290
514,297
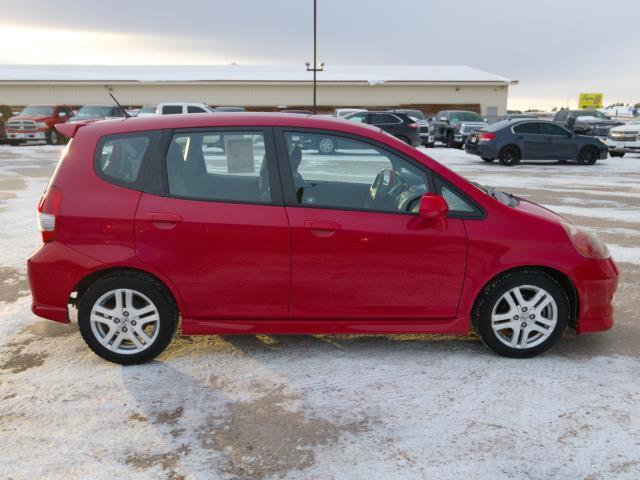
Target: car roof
x,y
230,119
514,121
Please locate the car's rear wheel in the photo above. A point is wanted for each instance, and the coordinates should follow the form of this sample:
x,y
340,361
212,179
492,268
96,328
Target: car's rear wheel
x,y
404,139
488,160
126,318
588,155
617,154
326,145
522,314
509,156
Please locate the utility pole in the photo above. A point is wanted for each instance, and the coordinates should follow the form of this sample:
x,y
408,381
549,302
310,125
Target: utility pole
x,y
315,68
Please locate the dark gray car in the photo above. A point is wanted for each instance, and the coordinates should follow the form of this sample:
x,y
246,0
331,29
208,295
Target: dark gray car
x,y
512,140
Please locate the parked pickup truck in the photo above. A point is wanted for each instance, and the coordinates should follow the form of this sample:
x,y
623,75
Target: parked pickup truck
x,y
586,122
452,127
37,122
624,139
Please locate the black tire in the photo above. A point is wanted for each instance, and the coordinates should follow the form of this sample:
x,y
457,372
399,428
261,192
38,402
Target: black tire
x,y
509,156
488,160
326,145
404,139
154,291
430,145
617,154
449,140
15,143
491,297
588,155
52,137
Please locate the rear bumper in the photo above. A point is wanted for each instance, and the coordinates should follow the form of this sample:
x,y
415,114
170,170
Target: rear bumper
x,y
54,271
483,149
596,281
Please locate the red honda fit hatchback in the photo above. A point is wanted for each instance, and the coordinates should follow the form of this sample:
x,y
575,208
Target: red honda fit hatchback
x,y
238,224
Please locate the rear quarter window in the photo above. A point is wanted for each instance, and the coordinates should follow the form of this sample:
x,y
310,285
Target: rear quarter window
x,y
119,158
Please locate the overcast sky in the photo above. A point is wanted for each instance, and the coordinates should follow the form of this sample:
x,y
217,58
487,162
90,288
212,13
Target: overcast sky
x,y
556,48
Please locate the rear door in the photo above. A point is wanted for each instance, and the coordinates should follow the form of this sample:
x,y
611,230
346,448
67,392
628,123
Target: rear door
x,y
213,222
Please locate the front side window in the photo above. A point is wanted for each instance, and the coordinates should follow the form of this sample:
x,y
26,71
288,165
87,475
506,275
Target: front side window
x,y
356,176
220,166
120,157
553,129
171,109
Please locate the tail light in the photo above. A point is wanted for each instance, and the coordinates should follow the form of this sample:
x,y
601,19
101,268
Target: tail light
x,y
48,209
486,136
413,125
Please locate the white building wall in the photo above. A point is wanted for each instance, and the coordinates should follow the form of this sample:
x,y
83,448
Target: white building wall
x,y
259,94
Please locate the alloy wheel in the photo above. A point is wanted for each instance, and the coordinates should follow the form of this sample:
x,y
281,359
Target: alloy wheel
x,y
524,317
125,321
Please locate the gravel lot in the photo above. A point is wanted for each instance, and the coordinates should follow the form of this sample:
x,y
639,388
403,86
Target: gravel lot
x,y
327,407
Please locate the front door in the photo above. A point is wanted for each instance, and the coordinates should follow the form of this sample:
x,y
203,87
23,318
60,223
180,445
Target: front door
x,y
359,249
217,228
561,144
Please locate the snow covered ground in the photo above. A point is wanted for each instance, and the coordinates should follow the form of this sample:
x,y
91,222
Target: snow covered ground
x,y
327,407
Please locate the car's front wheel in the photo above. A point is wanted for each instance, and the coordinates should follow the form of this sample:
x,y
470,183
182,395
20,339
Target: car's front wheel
x,y
522,314
126,318
588,155
52,137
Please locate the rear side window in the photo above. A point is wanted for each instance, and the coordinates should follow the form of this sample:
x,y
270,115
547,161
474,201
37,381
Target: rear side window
x,y
119,158
219,166
528,127
383,118
194,109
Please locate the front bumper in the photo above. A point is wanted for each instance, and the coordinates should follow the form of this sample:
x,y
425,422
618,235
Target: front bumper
x,y
26,134
623,146
427,138
596,281
54,271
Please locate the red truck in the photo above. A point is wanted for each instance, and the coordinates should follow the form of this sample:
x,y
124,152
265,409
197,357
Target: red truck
x,y
37,122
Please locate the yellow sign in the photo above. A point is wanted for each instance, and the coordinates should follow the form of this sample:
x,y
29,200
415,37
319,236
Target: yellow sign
x,y
590,100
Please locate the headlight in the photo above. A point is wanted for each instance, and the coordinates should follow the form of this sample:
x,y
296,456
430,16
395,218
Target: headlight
x,y
42,125
586,243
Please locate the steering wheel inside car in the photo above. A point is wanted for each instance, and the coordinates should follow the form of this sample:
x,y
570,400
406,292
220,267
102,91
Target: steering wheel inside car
x,y
385,180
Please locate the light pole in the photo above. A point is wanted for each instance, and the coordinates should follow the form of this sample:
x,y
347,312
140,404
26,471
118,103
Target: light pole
x,y
315,68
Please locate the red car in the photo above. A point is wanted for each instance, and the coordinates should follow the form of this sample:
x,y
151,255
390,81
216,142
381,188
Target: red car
x,y
230,223
38,122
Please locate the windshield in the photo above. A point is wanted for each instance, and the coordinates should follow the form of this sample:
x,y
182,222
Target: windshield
x,y
592,113
38,111
465,117
95,111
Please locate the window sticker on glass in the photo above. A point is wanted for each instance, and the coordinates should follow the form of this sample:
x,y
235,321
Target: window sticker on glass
x,y
240,154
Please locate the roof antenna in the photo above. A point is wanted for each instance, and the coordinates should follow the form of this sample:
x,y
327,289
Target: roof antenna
x,y
124,112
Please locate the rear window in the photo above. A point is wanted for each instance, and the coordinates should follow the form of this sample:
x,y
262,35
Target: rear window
x,y
119,157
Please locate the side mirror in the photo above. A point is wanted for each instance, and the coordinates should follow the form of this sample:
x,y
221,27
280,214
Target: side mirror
x,y
433,206
62,114
443,119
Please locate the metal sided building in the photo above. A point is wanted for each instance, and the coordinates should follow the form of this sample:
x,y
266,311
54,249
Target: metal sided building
x,y
261,87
